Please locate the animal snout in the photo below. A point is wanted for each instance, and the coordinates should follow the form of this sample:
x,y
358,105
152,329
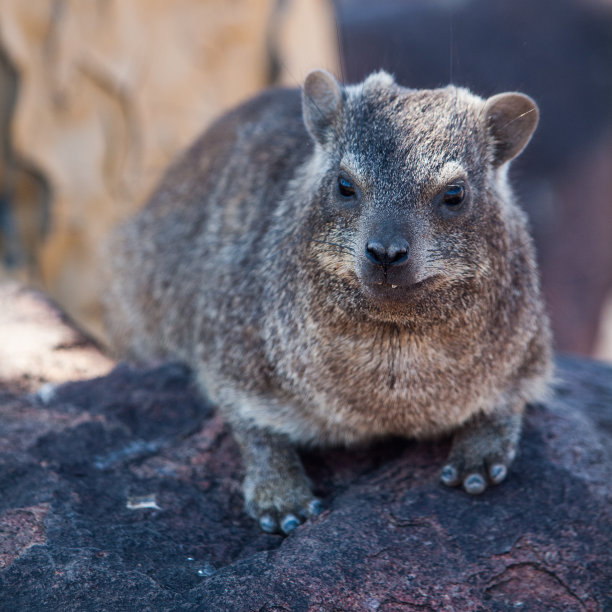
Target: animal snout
x,y
392,253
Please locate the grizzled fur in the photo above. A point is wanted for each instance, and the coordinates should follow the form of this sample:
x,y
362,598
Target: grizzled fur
x,y
315,313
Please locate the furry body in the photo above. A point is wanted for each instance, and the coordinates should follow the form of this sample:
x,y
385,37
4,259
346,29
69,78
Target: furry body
x,y
250,266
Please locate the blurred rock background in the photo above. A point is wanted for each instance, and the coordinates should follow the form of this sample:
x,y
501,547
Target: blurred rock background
x,y
97,96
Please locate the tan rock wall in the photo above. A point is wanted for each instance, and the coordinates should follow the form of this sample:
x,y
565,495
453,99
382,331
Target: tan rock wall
x,y
107,92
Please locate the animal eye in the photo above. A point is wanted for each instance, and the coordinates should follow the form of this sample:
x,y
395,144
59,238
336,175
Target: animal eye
x,y
454,196
345,188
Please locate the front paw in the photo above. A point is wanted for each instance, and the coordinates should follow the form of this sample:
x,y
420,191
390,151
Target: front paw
x,y
280,504
482,453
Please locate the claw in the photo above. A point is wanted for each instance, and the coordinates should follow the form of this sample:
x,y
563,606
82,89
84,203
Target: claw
x,y
268,524
497,472
474,484
289,523
449,475
315,507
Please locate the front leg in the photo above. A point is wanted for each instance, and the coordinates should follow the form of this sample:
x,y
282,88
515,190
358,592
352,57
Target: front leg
x,y
483,450
277,492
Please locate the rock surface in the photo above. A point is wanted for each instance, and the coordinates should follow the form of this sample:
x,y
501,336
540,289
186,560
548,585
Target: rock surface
x,y
38,346
122,492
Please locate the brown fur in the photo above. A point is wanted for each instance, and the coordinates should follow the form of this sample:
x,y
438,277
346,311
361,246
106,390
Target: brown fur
x,y
249,265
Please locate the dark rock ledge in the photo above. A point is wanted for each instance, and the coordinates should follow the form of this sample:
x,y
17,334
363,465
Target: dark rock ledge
x,y
122,492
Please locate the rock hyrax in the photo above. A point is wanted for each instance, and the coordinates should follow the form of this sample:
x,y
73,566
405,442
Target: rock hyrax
x,y
343,264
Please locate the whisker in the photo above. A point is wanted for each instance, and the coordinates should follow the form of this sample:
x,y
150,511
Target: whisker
x,y
531,110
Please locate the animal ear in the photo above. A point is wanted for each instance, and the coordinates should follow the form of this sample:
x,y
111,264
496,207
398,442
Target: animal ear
x,y
321,100
511,119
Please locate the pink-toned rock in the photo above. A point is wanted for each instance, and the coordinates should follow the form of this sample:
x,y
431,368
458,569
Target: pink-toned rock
x,y
38,345
20,529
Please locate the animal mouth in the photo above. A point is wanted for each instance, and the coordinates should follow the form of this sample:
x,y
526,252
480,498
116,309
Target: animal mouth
x,y
387,291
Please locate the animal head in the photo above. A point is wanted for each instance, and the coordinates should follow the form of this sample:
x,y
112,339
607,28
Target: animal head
x,y
410,188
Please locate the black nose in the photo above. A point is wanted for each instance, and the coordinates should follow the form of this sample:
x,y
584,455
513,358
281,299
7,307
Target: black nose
x,y
393,254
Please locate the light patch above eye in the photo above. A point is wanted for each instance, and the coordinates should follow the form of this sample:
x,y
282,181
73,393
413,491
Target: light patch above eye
x,y
350,164
450,173
450,183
